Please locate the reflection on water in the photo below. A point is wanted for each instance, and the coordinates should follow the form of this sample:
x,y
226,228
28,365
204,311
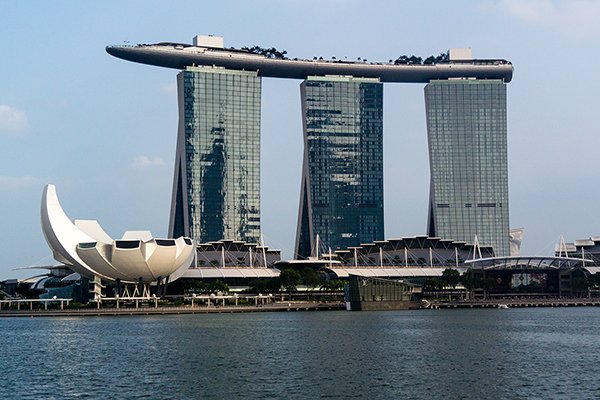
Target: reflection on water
x,y
482,353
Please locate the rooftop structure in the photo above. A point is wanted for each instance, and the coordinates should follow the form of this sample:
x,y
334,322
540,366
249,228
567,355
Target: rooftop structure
x,y
235,254
533,275
583,248
415,251
528,263
213,53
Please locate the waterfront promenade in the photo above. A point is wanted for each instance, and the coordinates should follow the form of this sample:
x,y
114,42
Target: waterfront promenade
x,y
286,306
516,302
166,310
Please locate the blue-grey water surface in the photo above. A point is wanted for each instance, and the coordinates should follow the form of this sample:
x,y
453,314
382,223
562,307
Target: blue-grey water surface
x,y
436,354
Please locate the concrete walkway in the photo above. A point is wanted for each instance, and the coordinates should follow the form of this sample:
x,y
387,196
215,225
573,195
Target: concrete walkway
x,y
164,310
494,303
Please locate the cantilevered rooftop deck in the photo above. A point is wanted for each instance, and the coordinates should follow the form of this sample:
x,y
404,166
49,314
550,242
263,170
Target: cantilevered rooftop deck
x,y
179,56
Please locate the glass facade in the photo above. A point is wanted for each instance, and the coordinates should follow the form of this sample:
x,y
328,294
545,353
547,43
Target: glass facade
x,y
467,135
216,190
342,179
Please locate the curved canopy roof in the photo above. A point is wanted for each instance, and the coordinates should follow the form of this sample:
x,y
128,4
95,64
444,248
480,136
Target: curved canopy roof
x,y
523,262
391,272
223,273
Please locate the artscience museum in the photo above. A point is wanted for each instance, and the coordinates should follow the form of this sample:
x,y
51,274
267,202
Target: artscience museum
x,y
136,260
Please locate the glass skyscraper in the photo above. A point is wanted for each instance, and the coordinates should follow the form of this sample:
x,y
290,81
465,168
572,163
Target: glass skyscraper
x,y
342,175
216,190
467,135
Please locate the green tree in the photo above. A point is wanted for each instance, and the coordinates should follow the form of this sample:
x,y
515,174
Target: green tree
x,y
489,284
257,286
219,287
467,280
194,286
594,280
310,277
401,60
333,285
434,283
443,57
580,284
264,286
451,277
289,279
270,53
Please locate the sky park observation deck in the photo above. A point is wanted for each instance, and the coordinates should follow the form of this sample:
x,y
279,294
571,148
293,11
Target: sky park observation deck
x,y
216,189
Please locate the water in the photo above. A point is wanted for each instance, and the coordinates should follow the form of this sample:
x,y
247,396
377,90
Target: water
x,y
434,354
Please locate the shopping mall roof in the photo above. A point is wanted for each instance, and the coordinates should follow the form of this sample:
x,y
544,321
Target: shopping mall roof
x,y
227,272
523,262
378,272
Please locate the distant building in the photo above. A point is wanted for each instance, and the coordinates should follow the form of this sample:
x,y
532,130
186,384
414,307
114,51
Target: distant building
x,y
216,190
415,251
366,293
342,175
588,249
229,253
467,135
235,263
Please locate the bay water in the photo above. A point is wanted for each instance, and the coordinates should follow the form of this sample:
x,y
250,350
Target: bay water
x,y
421,354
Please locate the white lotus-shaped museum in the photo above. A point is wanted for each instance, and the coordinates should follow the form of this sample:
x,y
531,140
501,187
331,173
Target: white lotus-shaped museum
x,y
88,250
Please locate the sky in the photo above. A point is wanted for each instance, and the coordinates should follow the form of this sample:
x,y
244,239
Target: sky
x,y
103,130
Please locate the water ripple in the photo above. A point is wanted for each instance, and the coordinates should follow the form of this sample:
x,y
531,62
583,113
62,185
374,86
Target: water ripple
x,y
456,354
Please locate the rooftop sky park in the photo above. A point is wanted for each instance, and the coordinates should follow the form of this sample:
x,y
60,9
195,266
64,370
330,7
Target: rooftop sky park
x,y
209,51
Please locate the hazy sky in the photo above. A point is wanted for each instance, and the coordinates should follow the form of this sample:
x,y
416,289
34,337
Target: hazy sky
x,y
103,129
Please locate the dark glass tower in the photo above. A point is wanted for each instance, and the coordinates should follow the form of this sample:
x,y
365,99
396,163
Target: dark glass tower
x,y
342,175
466,130
216,190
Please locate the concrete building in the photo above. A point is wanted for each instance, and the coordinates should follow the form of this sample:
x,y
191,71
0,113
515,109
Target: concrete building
x,y
588,249
341,197
467,136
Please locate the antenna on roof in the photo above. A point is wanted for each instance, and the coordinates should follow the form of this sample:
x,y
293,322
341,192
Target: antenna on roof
x,y
262,243
562,246
476,247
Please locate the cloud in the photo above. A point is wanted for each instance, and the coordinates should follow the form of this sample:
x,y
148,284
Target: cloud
x,y
144,162
12,183
575,18
12,121
170,89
